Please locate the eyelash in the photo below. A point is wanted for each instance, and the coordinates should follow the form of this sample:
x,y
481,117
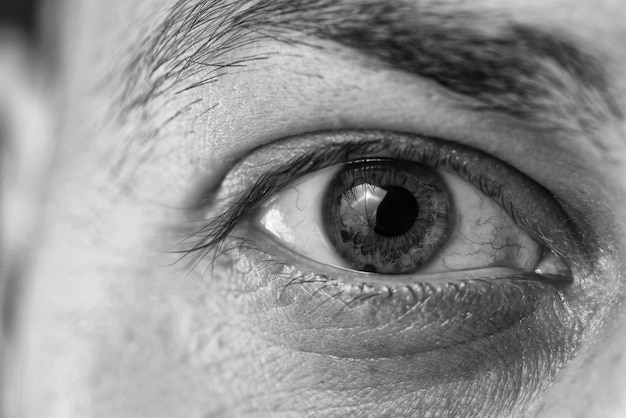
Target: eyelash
x,y
238,208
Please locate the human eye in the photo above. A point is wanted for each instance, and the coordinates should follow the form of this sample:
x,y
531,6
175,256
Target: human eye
x,y
472,248
450,210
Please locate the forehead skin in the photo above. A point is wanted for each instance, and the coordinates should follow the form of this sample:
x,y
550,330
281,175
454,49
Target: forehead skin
x,y
106,333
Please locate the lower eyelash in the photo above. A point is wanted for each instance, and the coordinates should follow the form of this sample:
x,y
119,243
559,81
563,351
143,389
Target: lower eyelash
x,y
265,262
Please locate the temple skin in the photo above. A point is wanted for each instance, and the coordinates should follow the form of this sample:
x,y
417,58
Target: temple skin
x,y
108,323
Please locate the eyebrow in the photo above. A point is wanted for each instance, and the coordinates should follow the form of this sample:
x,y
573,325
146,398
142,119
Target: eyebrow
x,y
528,72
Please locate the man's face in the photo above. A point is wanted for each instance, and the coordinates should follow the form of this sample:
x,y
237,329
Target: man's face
x,y
209,246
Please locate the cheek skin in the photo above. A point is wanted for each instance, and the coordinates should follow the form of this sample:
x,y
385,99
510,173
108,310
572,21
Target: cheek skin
x,y
111,332
494,377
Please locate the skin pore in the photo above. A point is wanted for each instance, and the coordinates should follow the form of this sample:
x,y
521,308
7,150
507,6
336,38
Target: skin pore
x,y
113,323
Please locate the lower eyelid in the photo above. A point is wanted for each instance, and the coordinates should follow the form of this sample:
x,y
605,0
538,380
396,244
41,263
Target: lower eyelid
x,y
328,315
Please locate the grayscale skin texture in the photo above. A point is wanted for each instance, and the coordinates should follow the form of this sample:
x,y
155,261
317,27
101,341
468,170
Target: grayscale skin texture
x,y
110,323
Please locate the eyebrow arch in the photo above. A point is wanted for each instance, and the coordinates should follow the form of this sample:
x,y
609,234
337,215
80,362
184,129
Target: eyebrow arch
x,y
528,72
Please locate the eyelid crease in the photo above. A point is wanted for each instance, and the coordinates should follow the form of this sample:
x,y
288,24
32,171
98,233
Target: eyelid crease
x,y
271,167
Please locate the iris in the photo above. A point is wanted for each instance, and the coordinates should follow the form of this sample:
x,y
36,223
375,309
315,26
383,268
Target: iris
x,y
387,216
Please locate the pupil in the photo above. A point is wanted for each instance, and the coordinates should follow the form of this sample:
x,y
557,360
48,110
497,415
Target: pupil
x,y
397,212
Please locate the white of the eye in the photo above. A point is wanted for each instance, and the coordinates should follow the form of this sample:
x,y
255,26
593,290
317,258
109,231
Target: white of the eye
x,y
275,223
299,226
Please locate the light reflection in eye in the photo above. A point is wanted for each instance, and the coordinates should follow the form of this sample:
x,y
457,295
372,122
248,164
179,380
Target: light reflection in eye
x,y
307,218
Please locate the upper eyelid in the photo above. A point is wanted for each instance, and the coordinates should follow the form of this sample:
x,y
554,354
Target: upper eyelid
x,y
242,191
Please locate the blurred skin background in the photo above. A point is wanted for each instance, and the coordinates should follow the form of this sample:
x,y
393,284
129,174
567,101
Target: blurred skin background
x,y
18,33
138,134
19,14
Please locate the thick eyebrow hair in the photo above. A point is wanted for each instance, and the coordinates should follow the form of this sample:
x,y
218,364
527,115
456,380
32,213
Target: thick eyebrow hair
x,y
528,72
